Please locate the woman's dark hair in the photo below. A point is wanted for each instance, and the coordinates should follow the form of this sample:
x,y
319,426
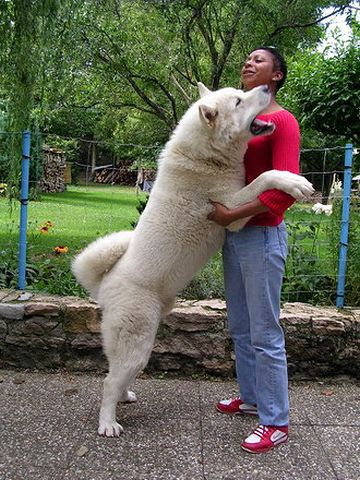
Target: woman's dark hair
x,y
279,61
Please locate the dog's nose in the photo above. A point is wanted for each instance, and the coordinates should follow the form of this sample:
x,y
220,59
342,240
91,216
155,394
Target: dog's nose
x,y
265,88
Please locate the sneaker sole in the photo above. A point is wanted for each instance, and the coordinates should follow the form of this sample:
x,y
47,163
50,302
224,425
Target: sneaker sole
x,y
264,450
240,412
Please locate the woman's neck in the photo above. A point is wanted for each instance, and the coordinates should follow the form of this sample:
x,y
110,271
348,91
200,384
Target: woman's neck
x,y
273,106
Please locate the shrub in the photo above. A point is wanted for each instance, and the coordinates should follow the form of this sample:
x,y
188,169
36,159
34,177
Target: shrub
x,y
51,274
304,280
208,282
352,287
8,267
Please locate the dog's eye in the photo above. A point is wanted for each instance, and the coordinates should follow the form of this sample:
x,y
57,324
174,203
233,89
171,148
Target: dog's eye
x,y
238,101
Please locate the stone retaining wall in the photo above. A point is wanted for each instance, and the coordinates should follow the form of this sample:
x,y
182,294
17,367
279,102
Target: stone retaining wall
x,y
38,331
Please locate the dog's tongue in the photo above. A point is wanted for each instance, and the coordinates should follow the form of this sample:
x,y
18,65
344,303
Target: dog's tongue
x,y
258,127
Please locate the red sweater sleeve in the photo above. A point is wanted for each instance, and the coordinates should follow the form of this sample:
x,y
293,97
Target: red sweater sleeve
x,y
285,151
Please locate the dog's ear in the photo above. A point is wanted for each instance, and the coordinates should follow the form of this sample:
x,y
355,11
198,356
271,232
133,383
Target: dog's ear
x,y
208,114
203,90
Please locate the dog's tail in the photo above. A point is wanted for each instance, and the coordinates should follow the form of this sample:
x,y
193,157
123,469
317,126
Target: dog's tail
x,y
98,258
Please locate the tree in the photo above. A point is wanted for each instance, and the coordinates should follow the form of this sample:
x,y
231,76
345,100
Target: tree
x,y
144,58
324,90
24,27
126,70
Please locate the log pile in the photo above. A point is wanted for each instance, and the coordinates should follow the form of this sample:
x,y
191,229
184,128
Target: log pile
x,y
112,175
54,164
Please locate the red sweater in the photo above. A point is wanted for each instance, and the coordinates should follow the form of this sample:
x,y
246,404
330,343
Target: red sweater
x,y
279,151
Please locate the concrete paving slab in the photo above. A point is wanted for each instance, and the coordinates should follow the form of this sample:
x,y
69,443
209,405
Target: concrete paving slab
x,y
161,440
48,426
40,418
30,472
342,448
329,403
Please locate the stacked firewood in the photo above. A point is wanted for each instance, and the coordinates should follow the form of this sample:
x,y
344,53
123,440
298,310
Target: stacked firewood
x,y
111,175
53,171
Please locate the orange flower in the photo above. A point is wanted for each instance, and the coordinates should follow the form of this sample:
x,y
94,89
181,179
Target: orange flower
x,y
61,249
45,227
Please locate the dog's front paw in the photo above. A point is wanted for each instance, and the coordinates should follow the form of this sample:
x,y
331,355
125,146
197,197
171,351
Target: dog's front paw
x,y
302,189
291,183
111,429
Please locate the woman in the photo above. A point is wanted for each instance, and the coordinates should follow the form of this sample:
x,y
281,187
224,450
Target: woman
x,y
254,261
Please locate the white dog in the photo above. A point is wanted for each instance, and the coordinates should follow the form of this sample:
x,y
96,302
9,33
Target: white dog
x,y
135,276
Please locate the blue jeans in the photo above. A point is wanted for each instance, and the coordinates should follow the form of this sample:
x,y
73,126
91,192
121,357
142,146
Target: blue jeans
x,y
254,261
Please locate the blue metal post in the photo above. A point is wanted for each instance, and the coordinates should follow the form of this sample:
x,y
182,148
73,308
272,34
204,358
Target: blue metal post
x,y
344,233
25,164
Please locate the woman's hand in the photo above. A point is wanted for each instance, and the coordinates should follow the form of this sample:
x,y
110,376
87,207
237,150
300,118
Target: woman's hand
x,y
220,214
224,216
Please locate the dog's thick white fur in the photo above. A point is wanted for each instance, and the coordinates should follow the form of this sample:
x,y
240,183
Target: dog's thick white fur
x,y
135,276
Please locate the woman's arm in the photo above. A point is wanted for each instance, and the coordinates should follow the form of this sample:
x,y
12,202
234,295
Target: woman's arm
x,y
224,216
285,152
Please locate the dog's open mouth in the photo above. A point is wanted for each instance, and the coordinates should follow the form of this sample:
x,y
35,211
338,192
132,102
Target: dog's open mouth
x,y
258,127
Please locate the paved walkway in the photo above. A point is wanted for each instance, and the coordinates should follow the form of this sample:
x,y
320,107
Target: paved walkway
x,y
48,431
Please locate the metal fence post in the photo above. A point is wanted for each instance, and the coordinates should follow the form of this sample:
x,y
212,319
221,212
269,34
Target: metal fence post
x,y
344,232
24,194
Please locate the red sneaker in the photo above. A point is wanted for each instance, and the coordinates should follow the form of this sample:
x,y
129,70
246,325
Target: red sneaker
x,y
264,438
235,406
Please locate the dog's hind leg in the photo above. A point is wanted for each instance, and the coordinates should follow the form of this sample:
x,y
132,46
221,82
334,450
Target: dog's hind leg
x,y
167,308
128,397
128,342
115,389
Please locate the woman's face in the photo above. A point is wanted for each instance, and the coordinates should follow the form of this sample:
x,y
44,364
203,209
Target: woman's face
x,y
259,69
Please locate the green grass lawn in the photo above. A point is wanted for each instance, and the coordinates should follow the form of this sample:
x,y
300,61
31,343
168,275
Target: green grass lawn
x,y
78,216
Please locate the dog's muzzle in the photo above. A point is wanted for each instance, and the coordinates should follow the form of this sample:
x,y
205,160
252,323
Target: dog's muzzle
x,y
258,127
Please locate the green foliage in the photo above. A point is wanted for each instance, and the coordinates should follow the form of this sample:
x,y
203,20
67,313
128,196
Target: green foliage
x,y
323,92
144,157
8,267
352,287
310,273
312,265
24,28
208,283
73,219
305,280
140,207
124,72
52,275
